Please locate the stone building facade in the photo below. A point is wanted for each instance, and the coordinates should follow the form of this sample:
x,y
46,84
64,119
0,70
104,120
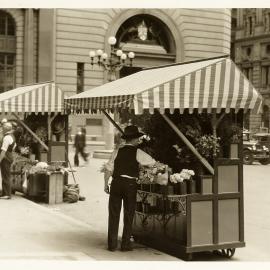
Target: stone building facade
x,y
54,44
252,55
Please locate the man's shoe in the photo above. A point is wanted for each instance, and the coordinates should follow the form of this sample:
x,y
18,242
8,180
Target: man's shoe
x,y
5,197
111,249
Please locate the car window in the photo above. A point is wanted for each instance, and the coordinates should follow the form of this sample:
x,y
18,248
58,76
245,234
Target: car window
x,y
245,137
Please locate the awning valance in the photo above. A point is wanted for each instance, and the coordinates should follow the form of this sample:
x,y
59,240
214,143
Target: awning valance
x,y
208,84
35,98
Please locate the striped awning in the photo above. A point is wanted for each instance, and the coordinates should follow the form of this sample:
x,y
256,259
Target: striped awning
x,y
35,98
203,85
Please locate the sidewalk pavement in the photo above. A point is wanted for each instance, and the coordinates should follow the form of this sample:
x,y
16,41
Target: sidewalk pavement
x,y
30,231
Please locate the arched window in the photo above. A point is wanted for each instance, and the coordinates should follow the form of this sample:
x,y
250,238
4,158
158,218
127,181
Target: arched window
x,y
150,39
7,51
146,30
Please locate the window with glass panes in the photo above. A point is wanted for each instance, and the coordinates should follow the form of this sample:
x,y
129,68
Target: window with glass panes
x,y
80,77
7,57
7,72
248,73
265,75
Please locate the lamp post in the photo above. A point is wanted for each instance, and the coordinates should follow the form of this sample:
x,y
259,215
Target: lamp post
x,y
112,63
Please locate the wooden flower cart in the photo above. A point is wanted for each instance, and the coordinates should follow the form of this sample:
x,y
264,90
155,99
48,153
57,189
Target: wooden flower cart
x,y
210,217
38,110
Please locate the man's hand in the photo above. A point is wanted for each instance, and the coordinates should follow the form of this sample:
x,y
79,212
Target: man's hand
x,y
107,189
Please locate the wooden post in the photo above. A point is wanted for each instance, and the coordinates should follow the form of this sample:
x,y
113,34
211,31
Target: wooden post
x,y
31,132
112,121
189,145
215,122
50,119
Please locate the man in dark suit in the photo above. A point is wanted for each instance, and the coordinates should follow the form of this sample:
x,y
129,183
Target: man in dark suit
x,y
123,166
79,144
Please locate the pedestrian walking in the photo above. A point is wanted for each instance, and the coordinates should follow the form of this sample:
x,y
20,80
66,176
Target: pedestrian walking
x,y
123,166
79,144
8,145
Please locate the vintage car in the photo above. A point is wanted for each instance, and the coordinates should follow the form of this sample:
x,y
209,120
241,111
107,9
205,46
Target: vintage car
x,y
254,149
263,138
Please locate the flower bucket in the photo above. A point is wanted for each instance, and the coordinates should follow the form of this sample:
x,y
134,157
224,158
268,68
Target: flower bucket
x,y
191,186
182,188
146,187
170,190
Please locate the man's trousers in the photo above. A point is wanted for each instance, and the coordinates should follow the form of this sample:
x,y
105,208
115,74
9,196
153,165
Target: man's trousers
x,y
122,189
5,166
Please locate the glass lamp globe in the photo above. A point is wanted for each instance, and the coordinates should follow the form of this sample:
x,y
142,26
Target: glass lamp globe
x,y
104,56
131,55
123,56
92,54
119,53
112,40
99,52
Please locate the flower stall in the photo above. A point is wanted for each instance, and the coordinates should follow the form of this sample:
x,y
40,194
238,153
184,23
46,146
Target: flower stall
x,y
41,134
191,200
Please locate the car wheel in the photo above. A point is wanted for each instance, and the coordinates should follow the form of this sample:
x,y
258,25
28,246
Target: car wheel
x,y
248,158
264,161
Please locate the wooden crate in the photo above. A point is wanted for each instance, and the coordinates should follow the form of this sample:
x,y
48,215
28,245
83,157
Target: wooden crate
x,y
55,184
36,187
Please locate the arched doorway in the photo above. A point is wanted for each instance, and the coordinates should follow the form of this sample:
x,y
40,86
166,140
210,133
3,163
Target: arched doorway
x,y
150,39
7,51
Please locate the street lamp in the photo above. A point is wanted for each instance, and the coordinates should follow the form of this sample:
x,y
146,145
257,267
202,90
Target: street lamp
x,y
113,62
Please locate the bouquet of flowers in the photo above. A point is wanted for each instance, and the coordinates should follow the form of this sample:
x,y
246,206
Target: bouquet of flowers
x,y
25,150
42,133
103,168
185,174
208,146
157,173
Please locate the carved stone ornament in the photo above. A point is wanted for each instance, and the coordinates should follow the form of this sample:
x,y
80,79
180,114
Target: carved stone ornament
x,y
142,31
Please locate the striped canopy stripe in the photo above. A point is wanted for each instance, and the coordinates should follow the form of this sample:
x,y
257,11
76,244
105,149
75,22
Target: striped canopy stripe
x,y
35,98
210,84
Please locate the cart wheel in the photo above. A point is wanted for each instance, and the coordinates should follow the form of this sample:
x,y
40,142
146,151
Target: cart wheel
x,y
229,252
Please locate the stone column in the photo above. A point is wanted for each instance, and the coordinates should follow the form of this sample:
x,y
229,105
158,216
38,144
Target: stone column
x,y
28,64
46,45
259,15
240,21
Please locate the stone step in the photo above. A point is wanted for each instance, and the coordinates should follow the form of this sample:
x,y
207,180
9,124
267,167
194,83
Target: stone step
x,y
102,154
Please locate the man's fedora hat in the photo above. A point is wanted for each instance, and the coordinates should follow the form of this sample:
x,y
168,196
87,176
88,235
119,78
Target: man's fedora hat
x,y
131,132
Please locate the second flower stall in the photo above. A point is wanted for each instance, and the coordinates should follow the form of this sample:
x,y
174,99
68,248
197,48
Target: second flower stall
x,y
185,108
41,135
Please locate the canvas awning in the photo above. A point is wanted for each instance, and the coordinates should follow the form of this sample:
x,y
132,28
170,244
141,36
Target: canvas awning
x,y
208,84
34,98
